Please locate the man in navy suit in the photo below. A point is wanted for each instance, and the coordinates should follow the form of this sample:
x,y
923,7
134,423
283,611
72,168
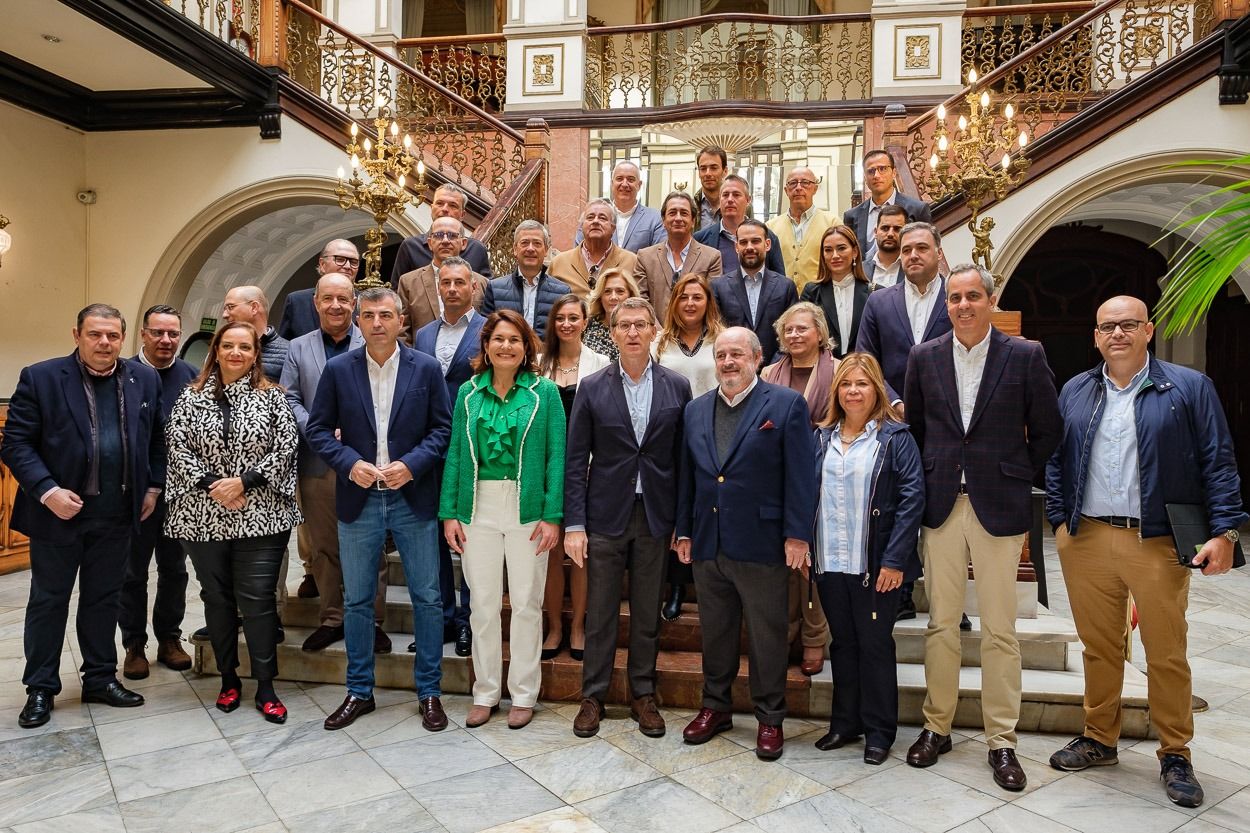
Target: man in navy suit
x,y
415,251
754,295
746,508
879,175
624,440
299,312
735,204
983,409
454,339
382,421
85,441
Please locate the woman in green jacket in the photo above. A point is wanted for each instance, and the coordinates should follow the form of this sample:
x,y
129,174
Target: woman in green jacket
x,y
502,503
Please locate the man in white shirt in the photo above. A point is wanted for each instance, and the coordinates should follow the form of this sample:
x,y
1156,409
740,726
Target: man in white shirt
x,y
637,226
885,268
799,231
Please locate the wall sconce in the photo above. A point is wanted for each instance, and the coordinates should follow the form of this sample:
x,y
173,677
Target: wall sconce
x,y
6,239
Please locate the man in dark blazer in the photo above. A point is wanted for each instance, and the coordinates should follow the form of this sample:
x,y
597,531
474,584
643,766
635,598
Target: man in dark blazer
x,y
299,313
879,179
734,210
382,421
529,290
983,409
746,507
85,441
754,296
624,442
910,312
454,339
415,251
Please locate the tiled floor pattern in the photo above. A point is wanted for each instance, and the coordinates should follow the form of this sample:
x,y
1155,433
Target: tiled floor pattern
x,y
179,765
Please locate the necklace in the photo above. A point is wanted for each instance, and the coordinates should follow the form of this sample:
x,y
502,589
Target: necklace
x,y
569,370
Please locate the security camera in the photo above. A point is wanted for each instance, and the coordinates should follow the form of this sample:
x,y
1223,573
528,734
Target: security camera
x,y
87,197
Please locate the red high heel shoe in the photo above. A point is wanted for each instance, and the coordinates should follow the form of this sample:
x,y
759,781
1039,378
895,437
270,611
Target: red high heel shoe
x,y
228,700
273,710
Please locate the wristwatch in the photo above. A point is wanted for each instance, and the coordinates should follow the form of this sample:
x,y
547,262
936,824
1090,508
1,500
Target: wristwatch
x,y
1232,535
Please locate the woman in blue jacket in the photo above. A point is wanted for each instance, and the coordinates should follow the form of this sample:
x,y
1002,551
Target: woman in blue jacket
x,y
871,503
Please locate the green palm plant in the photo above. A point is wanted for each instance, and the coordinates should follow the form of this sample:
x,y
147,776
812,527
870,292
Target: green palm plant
x,y
1198,273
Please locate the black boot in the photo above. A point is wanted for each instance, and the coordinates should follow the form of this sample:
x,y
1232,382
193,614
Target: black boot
x,y
676,598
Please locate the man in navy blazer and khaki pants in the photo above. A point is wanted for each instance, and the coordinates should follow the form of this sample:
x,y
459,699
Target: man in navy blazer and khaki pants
x,y
746,509
983,409
624,441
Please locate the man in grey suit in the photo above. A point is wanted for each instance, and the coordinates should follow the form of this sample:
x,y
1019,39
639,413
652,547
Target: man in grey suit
x,y
318,537
879,180
637,226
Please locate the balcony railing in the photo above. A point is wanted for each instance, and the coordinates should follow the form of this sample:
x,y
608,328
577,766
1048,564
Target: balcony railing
x,y
237,22
1064,71
764,58
474,67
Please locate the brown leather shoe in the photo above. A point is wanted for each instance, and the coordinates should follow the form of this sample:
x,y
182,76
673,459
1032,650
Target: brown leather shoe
x,y
433,718
381,642
478,715
706,725
647,714
307,588
586,724
925,751
519,717
136,665
170,654
347,712
1008,773
768,742
813,661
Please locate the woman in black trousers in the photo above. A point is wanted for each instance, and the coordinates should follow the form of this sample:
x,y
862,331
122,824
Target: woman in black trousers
x,y
231,496
871,504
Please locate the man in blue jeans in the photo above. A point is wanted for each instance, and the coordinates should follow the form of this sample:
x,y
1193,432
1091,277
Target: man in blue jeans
x,y
382,420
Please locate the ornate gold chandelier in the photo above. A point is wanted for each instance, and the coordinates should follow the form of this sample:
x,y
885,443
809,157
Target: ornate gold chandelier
x,y
379,185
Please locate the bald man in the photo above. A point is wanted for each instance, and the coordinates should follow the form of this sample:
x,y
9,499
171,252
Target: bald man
x,y
248,305
800,230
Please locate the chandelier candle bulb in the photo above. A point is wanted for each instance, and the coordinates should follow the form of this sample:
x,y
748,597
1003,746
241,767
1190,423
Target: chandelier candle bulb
x,y
420,170
933,161
972,76
402,180
1006,161
985,100
407,142
354,129
941,113
963,124
1008,111
1024,139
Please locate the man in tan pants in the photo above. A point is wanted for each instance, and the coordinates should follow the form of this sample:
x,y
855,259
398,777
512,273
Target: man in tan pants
x,y
1141,434
983,410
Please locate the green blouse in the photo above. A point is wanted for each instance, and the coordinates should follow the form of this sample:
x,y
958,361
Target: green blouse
x,y
498,431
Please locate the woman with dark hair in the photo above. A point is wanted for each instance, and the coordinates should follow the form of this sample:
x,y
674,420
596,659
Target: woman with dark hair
x,y
871,504
692,323
841,288
230,493
502,503
566,361
614,286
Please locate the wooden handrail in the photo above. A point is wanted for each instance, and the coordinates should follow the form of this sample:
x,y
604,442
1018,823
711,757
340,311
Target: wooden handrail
x,y
713,19
499,211
404,68
1032,8
454,40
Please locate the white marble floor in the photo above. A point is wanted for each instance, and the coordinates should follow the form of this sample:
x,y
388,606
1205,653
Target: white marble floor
x,y
177,764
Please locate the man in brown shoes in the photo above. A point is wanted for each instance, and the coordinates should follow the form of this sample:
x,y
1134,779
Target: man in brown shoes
x,y
619,509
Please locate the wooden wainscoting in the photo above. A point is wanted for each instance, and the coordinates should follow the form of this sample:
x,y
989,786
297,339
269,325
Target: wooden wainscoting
x,y
14,546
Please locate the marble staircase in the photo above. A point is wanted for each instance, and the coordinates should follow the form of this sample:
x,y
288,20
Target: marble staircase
x,y
1052,679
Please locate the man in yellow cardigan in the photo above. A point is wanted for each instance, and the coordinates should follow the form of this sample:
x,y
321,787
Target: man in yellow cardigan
x,y
801,229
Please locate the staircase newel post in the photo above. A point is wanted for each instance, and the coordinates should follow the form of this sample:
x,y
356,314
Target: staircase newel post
x,y
538,146
272,47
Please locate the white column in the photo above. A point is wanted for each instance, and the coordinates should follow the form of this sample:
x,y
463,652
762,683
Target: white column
x,y
915,47
546,55
380,22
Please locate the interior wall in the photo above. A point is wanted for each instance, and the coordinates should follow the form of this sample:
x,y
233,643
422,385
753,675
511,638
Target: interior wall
x,y
44,276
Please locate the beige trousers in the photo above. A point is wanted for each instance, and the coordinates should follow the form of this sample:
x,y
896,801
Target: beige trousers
x,y
1102,565
946,552
495,540
318,540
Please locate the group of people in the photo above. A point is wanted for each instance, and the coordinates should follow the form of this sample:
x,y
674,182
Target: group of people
x,y
790,409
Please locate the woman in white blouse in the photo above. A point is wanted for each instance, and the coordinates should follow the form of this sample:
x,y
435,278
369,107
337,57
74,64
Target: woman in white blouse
x,y
566,361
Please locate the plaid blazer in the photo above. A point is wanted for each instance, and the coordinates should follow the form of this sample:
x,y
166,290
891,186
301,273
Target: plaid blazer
x,y
1014,428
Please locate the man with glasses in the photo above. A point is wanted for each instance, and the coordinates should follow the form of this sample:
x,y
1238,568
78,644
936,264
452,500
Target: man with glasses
x,y
161,333
885,267
597,251
418,289
879,181
418,251
299,314
248,305
799,231
1140,434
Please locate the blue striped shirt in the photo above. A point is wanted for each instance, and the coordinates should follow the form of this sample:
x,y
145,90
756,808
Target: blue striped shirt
x,y
846,479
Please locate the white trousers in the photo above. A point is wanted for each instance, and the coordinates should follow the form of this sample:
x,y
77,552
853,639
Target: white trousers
x,y
495,539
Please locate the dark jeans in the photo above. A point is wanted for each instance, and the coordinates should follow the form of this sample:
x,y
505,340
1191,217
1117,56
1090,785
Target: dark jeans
x,y
241,575
170,603
608,558
861,656
453,614
97,558
728,590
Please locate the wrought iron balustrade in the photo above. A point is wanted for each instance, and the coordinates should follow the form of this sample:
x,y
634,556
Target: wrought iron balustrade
x,y
525,199
474,67
237,22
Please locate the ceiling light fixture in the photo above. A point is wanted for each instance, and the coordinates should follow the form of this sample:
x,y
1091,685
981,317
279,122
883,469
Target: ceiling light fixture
x,y
51,38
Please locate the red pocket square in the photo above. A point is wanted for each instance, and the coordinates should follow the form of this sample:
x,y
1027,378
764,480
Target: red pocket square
x,y
767,426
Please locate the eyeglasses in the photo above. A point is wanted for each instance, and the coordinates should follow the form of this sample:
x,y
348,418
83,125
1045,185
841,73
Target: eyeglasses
x,y
173,334
344,260
632,326
444,235
1128,325
878,169
801,183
